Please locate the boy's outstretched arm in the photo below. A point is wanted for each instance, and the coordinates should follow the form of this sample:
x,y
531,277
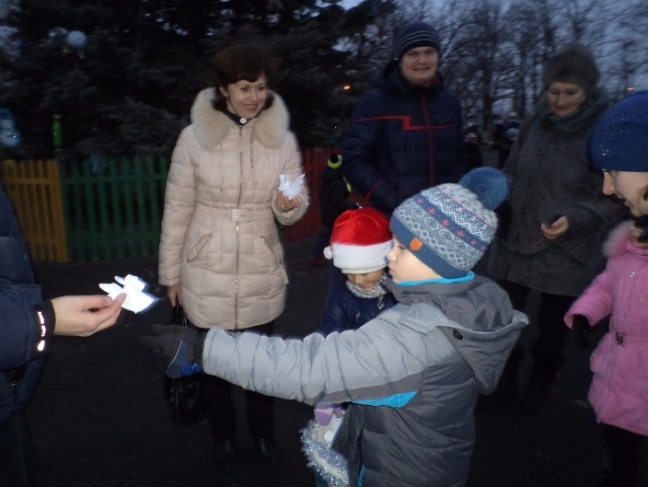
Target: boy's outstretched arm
x,y
380,359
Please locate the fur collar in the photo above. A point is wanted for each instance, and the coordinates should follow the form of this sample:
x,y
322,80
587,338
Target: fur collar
x,y
619,242
211,126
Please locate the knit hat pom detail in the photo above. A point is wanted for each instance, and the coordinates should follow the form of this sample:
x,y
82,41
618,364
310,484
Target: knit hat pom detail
x,y
488,184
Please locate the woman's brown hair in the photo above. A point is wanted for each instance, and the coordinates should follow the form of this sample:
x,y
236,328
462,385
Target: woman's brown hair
x,y
247,61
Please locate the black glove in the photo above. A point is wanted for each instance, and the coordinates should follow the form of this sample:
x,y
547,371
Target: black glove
x,y
581,328
180,345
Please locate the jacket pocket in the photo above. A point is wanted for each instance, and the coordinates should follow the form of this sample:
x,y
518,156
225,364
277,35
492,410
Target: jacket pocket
x,y
195,251
280,264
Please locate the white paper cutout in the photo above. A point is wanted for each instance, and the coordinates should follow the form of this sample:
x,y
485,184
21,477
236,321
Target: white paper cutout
x,y
288,188
137,299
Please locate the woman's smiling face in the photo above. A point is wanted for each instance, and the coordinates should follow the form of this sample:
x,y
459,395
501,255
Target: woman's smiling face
x,y
246,98
565,98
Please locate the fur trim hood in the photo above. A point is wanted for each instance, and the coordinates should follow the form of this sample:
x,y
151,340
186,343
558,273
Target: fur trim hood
x,y
211,126
619,242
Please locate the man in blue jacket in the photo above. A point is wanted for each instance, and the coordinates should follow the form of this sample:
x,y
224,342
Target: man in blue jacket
x,y
26,325
405,135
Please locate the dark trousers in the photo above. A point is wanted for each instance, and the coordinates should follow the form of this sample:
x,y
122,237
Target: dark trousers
x,y
624,453
322,241
16,455
259,409
548,350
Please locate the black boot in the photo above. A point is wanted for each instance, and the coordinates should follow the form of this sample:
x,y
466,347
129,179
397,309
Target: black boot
x,y
537,396
226,453
267,449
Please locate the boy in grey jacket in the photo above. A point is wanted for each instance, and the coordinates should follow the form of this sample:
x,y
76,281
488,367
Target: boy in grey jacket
x,y
413,374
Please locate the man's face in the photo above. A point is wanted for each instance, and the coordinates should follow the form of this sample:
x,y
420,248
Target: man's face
x,y
419,65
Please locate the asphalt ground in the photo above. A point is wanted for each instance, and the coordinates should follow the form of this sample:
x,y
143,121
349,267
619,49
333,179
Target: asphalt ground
x,y
99,417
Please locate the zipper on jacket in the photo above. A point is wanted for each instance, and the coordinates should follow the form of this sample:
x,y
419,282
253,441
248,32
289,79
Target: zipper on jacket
x,y
284,274
238,234
428,124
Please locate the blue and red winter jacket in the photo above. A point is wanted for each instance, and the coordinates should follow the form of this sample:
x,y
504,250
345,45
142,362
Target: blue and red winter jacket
x,y
402,139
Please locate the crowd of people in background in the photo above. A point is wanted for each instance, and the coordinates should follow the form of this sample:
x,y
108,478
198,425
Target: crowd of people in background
x,y
410,341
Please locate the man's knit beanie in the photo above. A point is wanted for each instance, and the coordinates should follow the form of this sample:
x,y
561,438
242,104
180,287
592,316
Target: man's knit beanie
x,y
414,35
574,63
619,140
450,226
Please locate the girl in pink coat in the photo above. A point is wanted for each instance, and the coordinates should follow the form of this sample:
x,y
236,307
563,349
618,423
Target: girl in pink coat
x,y
619,392
619,389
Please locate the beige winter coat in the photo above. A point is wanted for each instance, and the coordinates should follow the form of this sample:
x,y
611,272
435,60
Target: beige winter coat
x,y
219,235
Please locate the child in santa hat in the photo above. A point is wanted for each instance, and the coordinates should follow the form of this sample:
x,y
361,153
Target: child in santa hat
x,y
360,241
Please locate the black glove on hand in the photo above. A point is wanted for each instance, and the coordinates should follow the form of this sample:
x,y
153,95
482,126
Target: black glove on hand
x,y
581,328
182,346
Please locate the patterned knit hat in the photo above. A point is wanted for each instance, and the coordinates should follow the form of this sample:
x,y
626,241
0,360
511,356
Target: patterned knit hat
x,y
619,140
449,227
360,240
414,35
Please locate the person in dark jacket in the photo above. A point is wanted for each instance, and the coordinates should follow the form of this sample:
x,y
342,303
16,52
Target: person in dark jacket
x,y
552,245
333,200
26,325
413,373
406,134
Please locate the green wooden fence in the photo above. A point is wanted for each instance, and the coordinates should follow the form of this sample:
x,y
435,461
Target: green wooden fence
x,y
113,209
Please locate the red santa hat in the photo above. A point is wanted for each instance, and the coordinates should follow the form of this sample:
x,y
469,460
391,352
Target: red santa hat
x,y
360,240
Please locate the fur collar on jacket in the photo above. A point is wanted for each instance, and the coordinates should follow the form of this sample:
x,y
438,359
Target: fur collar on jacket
x,y
619,242
211,126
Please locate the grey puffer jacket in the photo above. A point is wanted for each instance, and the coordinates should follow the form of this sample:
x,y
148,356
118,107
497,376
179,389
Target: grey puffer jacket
x,y
550,176
417,369
219,236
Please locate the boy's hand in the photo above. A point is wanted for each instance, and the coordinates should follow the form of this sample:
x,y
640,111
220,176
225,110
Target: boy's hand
x,y
181,346
581,328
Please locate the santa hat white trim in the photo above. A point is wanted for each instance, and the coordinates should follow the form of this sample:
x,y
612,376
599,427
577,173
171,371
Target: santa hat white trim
x,y
358,259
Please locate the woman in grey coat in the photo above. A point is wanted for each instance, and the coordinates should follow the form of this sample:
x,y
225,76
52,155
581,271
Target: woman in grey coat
x,y
558,214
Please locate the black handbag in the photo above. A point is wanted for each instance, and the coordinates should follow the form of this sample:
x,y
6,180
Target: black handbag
x,y
187,406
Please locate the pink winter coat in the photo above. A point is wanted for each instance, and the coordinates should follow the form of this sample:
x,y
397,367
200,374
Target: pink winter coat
x,y
619,390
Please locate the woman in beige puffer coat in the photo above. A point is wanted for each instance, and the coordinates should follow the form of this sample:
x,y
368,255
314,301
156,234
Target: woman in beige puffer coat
x,y
220,253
